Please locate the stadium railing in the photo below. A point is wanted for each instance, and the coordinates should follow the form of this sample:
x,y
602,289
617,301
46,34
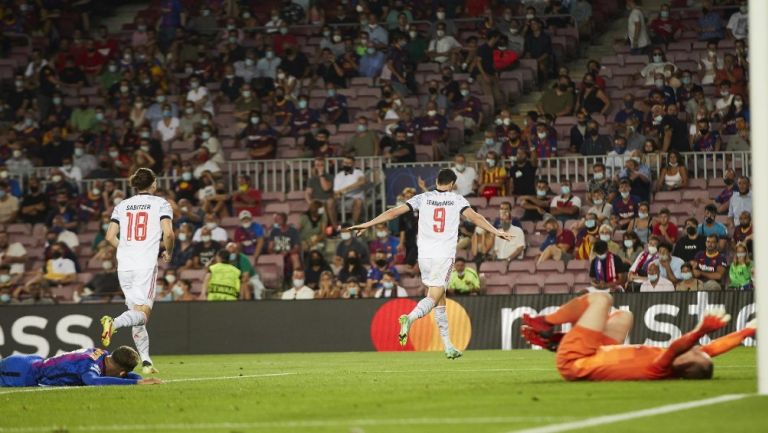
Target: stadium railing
x,y
709,165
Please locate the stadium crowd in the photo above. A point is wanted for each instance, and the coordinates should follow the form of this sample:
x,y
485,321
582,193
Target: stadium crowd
x,y
190,86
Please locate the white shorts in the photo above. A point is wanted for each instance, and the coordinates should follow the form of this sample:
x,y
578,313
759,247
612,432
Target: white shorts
x,y
436,272
138,286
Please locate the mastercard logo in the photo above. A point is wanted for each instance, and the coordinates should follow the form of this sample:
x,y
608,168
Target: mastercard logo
x,y
424,335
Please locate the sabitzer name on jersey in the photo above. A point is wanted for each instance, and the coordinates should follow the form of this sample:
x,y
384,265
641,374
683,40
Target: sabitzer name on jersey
x,y
440,203
138,207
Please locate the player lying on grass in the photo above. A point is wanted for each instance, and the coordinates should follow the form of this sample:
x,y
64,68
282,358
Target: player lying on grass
x,y
87,367
440,212
593,349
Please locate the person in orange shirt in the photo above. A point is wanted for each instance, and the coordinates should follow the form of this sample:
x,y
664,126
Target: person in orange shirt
x,y
593,349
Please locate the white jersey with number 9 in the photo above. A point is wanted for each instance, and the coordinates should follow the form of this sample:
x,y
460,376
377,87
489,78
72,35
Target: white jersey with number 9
x,y
439,218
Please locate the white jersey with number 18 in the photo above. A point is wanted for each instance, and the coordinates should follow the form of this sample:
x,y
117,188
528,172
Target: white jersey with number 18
x,y
439,218
140,232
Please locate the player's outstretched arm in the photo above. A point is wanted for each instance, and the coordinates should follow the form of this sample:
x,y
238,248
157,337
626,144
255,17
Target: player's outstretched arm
x,y
480,221
112,232
712,321
385,216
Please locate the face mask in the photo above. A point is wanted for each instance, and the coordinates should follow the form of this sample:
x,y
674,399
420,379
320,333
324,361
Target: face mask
x,y
381,234
541,192
709,220
490,162
542,135
160,99
302,104
95,191
597,202
629,243
346,236
182,237
565,190
99,116
412,34
370,50
5,298
642,215
440,33
499,122
205,238
431,113
725,93
337,38
459,167
56,178
464,92
659,83
205,135
599,175
657,58
741,255
211,225
590,224
387,285
269,54
440,15
652,249
361,128
106,265
664,14
691,230
167,113
79,152
117,201
653,277
298,283
625,194
602,256
686,275
17,154
177,290
194,84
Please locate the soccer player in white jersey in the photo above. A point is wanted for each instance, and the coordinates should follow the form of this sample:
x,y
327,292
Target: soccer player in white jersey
x,y
141,222
439,216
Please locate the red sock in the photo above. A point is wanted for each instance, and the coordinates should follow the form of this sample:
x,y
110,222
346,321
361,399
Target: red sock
x,y
568,312
727,342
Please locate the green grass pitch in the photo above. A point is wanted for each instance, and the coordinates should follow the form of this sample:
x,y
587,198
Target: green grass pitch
x,y
483,392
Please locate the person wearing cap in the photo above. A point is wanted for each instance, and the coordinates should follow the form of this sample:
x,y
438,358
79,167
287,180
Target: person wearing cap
x,y
250,235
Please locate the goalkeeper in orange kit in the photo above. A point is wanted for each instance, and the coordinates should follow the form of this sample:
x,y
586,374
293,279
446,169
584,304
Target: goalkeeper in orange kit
x,y
594,349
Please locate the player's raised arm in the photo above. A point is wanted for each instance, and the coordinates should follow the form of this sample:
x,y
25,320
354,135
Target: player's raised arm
x,y
712,321
385,216
480,221
112,231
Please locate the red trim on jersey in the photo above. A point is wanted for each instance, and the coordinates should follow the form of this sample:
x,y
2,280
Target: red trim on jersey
x,y
151,293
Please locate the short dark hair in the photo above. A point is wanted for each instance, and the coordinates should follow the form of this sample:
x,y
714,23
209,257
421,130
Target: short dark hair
x,y
223,255
126,358
460,259
142,179
600,247
446,176
711,208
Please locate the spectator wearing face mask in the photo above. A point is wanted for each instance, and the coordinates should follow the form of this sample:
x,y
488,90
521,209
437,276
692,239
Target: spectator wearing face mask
x,y
641,224
688,283
665,28
299,290
463,280
655,282
558,101
509,250
639,270
712,227
741,270
565,206
657,64
58,270
594,143
691,244
389,288
607,272
364,142
586,236
669,265
349,243
544,143
347,186
711,27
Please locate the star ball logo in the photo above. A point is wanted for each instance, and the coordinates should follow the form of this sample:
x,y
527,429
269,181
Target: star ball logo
x,y
423,336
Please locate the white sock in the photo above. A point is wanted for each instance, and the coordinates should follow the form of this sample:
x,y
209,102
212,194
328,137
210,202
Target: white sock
x,y
422,309
141,339
130,318
441,318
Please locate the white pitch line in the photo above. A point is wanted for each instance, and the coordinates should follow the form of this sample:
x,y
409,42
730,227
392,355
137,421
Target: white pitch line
x,y
191,379
464,370
619,417
292,424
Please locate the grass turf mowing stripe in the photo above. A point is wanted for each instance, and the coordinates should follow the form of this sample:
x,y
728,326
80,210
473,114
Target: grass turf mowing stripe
x,y
293,424
191,379
626,416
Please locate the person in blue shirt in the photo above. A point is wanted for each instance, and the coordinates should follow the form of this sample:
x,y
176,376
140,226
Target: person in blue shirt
x,y
372,62
86,367
712,227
